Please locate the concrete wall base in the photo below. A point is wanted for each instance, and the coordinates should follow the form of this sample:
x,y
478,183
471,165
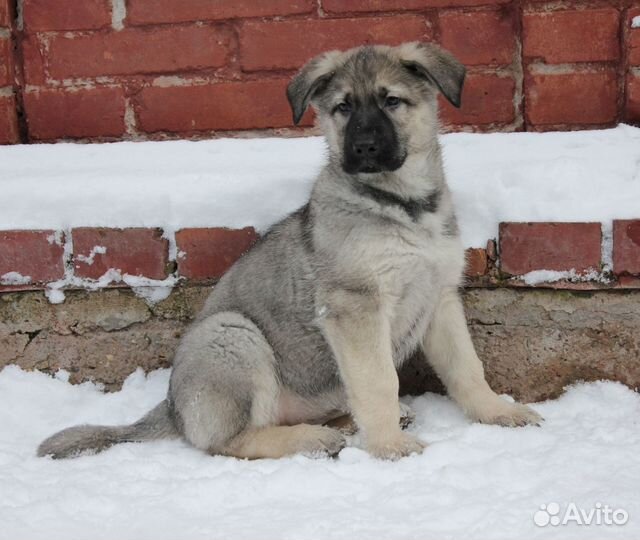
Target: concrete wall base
x,y
533,342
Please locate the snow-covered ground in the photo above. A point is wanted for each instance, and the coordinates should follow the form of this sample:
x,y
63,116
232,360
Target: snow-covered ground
x,y
577,176
473,481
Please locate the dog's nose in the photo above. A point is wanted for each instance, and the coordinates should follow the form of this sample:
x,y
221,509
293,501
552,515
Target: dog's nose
x,y
366,146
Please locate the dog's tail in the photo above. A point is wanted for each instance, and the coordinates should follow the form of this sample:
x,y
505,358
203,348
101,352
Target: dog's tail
x,y
74,441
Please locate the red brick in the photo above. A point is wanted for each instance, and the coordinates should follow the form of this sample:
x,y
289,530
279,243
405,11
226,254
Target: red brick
x,y
223,106
486,99
476,262
33,60
347,6
46,15
6,56
626,246
31,253
137,252
8,120
632,107
55,114
633,45
5,13
170,11
278,45
571,98
134,51
479,37
525,247
589,35
209,253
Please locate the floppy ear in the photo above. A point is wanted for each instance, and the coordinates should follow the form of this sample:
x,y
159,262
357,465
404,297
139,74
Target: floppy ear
x,y
440,67
310,81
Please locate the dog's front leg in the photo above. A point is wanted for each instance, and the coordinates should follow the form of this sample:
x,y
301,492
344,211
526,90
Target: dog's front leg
x,y
449,349
358,332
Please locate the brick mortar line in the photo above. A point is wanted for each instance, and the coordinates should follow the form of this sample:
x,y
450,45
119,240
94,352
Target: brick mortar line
x,y
624,37
519,100
15,10
208,75
551,6
538,67
118,14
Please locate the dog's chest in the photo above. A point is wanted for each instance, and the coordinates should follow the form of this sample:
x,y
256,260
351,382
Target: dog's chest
x,y
409,266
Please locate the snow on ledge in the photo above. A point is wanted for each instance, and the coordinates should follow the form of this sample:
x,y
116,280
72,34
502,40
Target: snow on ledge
x,y
537,277
14,278
150,290
564,176
635,22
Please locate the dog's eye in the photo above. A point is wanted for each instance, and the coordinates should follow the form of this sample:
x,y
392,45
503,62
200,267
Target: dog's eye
x,y
391,102
344,107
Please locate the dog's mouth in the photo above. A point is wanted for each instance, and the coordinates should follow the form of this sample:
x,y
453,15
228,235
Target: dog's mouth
x,y
367,166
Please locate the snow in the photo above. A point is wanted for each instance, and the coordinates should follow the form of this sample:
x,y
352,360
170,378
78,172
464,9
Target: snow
x,y
574,176
151,290
473,481
536,277
88,259
635,22
14,278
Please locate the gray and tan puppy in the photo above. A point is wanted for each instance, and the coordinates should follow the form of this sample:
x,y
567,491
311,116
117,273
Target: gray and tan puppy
x,y
312,324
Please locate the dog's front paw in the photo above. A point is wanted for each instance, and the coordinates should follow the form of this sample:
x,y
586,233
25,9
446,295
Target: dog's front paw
x,y
510,415
400,445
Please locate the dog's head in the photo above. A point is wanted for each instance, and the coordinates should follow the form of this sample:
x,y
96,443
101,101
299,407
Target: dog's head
x,y
377,104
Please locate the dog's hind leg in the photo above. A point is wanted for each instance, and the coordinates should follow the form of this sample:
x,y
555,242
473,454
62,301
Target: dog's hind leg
x,y
225,393
280,441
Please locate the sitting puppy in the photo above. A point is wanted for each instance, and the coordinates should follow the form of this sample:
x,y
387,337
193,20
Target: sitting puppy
x,y
313,322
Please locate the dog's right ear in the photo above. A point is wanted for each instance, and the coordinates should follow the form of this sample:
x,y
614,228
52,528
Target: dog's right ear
x,y
435,65
310,81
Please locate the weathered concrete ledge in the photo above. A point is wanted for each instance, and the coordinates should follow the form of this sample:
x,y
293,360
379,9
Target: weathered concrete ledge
x,y
534,342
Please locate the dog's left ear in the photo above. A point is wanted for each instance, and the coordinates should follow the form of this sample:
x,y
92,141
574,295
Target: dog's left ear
x,y
429,62
310,81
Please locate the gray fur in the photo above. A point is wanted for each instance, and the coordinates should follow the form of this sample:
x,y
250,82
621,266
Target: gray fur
x,y
441,68
78,440
294,330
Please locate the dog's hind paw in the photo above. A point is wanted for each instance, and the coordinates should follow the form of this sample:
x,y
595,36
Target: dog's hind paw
x,y
323,441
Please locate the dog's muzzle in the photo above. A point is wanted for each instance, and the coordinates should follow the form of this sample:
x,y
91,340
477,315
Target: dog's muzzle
x,y
370,143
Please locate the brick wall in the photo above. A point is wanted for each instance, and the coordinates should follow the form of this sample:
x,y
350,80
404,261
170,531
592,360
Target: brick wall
x,y
82,257
112,69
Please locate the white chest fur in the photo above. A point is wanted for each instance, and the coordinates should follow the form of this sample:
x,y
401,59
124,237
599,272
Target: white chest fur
x,y
409,264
